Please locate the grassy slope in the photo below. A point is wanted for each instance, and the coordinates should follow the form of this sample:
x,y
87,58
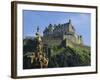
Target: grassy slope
x,y
62,57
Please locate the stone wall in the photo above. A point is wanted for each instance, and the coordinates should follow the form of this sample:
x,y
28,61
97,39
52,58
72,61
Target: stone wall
x,y
52,42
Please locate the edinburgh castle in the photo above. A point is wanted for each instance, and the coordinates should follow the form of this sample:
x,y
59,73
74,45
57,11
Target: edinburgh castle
x,y
55,34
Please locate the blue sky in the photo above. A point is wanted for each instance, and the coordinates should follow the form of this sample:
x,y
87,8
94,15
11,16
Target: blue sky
x,y
33,19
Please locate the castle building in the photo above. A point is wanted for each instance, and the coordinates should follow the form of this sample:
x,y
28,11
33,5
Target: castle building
x,y
55,34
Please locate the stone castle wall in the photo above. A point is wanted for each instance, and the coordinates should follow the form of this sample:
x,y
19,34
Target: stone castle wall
x,y
52,42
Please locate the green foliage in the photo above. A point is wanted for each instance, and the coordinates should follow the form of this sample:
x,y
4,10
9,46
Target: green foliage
x,y
56,50
84,55
68,57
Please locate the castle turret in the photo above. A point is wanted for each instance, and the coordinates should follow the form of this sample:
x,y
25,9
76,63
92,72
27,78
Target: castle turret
x,y
81,40
50,27
69,21
71,29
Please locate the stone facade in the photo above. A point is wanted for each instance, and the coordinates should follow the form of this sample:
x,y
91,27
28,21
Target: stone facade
x,y
55,34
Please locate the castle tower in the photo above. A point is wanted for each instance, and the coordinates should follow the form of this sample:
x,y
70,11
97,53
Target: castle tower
x,y
81,40
70,21
50,27
70,27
